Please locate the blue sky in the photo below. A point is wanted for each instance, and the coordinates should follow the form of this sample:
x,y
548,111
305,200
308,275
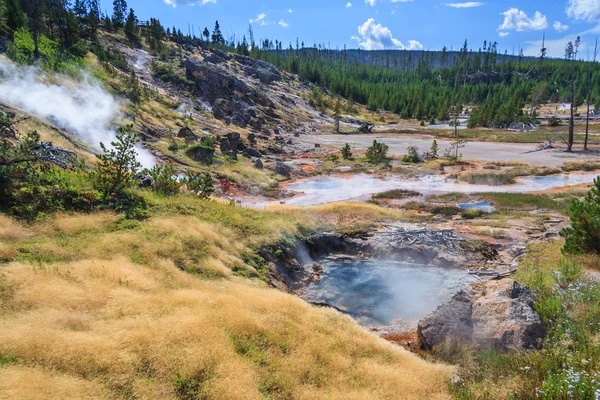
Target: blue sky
x,y
377,24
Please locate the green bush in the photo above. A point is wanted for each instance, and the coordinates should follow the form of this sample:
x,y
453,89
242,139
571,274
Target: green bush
x,y
584,234
117,166
164,179
471,213
53,57
346,152
377,153
200,183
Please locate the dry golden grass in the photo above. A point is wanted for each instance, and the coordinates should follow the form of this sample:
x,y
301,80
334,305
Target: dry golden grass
x,y
23,383
76,224
10,230
344,215
108,312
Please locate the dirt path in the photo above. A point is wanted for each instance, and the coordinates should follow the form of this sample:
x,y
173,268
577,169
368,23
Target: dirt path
x,y
484,151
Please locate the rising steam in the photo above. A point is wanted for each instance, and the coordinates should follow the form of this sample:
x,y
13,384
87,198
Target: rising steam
x,y
82,108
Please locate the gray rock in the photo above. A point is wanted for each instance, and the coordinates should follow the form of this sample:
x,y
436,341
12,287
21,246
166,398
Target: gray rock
x,y
452,319
252,152
495,314
267,76
283,169
258,164
201,154
238,113
187,134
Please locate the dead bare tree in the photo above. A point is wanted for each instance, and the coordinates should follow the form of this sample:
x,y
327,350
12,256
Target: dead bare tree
x,y
589,94
571,54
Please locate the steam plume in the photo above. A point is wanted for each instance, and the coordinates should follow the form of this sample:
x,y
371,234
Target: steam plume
x,y
83,108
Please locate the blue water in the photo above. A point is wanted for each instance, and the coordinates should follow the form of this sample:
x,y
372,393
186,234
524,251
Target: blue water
x,y
482,205
382,292
361,186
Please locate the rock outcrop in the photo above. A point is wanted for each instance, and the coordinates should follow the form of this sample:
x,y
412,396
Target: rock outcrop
x,y
187,134
202,154
494,314
283,169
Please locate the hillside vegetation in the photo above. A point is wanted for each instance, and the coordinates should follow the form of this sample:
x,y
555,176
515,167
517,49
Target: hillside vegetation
x,y
97,306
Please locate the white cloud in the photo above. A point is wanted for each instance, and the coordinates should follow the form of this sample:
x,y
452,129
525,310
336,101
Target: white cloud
x,y
290,11
348,5
517,20
374,36
373,2
468,4
260,19
584,9
283,24
176,3
560,27
503,34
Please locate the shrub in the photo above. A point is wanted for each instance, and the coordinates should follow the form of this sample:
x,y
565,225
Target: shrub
x,y
346,152
396,194
201,184
433,153
117,166
471,213
412,156
164,179
584,234
376,154
553,121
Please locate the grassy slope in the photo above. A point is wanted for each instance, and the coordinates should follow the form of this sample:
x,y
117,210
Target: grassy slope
x,y
93,306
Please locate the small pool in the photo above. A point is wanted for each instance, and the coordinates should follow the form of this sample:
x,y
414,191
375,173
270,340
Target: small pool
x,y
326,189
383,292
482,205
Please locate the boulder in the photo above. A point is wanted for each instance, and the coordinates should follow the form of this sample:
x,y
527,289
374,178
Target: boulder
x,y
283,169
252,152
187,134
267,76
232,143
238,113
496,314
504,318
452,319
202,154
258,164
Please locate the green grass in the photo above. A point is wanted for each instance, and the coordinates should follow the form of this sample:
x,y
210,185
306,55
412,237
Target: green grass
x,y
488,178
396,194
525,201
567,367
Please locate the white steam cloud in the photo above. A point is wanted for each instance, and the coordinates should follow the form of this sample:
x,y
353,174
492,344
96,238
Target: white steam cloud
x,y
83,108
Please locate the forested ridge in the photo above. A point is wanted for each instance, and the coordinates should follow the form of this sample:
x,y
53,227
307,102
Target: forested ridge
x,y
424,85
499,89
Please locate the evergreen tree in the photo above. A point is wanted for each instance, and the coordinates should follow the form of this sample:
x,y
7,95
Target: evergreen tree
x,y
584,235
14,14
119,12
35,10
346,152
217,36
130,24
434,149
206,34
80,9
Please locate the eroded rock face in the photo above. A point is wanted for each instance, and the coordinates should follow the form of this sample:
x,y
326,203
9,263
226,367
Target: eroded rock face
x,y
494,314
452,319
283,169
187,134
503,316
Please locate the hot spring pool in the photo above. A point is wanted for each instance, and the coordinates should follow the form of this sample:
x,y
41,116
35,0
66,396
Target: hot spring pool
x,y
384,292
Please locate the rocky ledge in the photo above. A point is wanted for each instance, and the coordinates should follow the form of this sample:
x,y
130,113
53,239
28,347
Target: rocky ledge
x,y
495,314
